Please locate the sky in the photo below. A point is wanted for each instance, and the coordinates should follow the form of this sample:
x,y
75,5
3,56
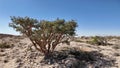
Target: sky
x,y
94,17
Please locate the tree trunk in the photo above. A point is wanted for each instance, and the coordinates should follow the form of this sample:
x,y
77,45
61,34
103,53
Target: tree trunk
x,y
48,58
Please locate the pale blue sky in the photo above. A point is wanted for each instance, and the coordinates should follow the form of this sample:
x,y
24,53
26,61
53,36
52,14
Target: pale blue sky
x,y
94,17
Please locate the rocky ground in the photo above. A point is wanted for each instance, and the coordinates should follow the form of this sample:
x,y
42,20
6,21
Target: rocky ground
x,y
20,54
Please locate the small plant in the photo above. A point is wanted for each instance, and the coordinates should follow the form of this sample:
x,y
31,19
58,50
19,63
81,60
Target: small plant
x,y
116,47
78,40
117,54
98,40
4,45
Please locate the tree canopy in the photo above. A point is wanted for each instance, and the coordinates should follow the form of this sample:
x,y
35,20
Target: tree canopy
x,y
45,35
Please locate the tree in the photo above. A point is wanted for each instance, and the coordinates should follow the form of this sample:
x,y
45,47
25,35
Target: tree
x,y
45,35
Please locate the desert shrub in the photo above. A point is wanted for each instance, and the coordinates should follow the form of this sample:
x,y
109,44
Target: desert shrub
x,y
98,40
116,47
78,40
5,45
45,35
116,54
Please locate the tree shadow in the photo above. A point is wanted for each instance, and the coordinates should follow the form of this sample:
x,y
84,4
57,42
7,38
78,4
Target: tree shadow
x,y
73,58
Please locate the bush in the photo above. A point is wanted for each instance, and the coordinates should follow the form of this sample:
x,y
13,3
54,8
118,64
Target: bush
x,y
78,40
98,40
116,47
4,45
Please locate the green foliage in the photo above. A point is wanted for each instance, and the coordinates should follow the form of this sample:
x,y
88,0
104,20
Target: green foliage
x,y
45,35
78,40
98,40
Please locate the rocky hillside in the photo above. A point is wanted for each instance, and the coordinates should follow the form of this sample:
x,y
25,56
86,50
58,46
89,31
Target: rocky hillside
x,y
18,52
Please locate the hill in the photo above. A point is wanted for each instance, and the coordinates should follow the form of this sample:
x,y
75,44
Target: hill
x,y
18,52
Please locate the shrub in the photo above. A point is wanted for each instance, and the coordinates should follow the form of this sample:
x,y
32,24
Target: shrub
x,y
4,45
45,35
78,40
98,40
116,47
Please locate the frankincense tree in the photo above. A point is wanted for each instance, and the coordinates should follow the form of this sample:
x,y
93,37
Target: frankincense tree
x,y
45,35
